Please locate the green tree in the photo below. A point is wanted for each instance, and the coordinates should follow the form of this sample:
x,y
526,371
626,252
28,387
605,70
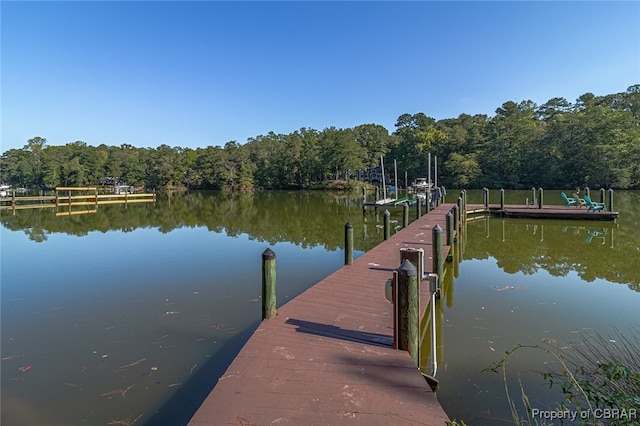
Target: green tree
x,y
164,167
341,152
311,167
465,135
32,166
264,152
55,158
375,140
464,168
417,136
512,133
10,171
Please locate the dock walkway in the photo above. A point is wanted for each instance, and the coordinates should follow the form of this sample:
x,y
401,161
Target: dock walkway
x,y
327,358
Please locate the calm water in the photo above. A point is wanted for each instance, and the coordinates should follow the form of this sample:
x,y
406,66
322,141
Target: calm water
x,y
521,282
133,312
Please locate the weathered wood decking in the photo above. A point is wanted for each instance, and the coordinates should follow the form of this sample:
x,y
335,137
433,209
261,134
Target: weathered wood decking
x,y
327,357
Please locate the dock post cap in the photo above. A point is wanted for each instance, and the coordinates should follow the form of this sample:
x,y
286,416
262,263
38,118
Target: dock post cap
x,y
407,268
348,225
268,254
437,228
387,213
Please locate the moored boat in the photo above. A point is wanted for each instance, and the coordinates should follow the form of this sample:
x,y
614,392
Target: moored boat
x,y
5,190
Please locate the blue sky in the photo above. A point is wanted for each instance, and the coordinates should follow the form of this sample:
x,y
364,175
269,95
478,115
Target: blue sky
x,y
195,74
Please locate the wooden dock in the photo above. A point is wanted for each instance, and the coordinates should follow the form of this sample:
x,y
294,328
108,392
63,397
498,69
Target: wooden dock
x,y
327,358
83,196
546,212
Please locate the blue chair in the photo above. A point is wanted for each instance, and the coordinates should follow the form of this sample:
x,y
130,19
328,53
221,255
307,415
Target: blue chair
x,y
594,206
568,201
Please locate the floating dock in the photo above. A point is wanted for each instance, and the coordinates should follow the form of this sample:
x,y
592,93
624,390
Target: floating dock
x,y
546,212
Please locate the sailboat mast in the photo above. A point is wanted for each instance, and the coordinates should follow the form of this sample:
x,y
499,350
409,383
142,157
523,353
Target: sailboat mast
x,y
384,185
429,173
395,176
435,174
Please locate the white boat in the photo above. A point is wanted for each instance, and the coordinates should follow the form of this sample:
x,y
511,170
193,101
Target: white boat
x,y
4,190
123,189
421,184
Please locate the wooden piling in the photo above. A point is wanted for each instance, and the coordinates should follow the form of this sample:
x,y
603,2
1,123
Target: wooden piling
x,y
268,284
456,221
405,215
387,224
463,211
450,232
502,199
408,310
610,207
437,250
348,244
602,191
418,208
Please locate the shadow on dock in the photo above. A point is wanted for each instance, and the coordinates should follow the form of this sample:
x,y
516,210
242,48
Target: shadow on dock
x,y
331,331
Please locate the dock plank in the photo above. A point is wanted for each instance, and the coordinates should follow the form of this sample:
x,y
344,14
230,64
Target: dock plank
x,y
327,356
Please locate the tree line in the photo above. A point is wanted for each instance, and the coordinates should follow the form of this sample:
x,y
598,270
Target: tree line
x,y
594,141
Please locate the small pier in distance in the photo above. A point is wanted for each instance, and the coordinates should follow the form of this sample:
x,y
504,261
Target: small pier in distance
x,y
72,197
327,357
536,208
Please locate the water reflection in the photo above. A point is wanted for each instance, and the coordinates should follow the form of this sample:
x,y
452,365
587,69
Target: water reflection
x,y
521,281
307,219
594,250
